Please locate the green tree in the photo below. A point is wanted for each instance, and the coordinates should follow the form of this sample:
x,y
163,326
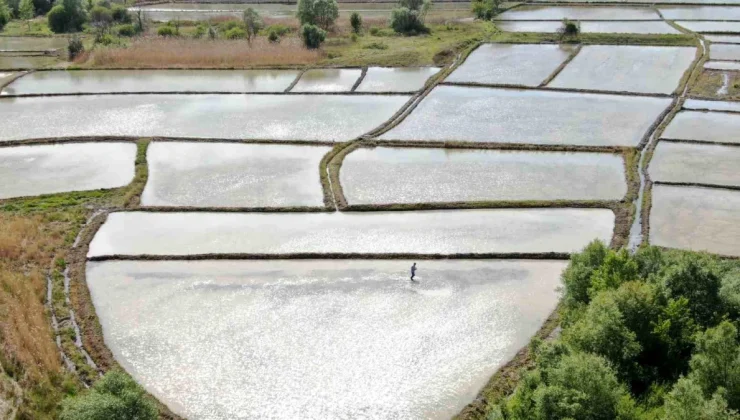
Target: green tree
x,y
577,276
686,402
4,14
26,12
716,362
617,268
698,279
101,18
321,13
486,9
253,22
729,292
355,20
312,36
114,396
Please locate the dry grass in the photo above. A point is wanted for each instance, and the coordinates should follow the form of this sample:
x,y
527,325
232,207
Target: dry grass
x,y
183,53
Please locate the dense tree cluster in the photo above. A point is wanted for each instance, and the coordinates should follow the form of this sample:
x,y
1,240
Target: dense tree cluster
x,y
652,335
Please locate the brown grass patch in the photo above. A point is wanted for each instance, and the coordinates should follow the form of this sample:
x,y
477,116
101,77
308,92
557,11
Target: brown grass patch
x,y
196,53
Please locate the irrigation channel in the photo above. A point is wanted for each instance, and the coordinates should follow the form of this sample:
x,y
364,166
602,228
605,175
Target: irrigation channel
x,y
238,261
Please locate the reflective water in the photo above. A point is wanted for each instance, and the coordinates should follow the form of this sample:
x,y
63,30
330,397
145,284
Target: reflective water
x,y
723,38
396,79
697,219
512,64
713,105
696,163
102,81
414,175
724,52
31,43
36,170
634,27
327,80
705,126
722,65
422,232
578,13
700,12
529,116
15,62
706,26
276,117
719,2
319,339
233,175
625,68
5,77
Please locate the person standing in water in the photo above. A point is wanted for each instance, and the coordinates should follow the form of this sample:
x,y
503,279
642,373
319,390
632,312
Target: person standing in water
x,y
413,272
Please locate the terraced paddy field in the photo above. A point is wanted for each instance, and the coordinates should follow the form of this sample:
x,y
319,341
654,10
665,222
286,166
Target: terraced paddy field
x,y
710,26
314,330
722,65
257,264
19,62
699,12
725,52
25,44
725,39
623,27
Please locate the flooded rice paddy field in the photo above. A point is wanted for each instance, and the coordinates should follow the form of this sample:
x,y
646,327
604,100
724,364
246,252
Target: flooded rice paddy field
x,y
455,113
710,26
396,79
327,80
444,232
35,170
319,339
624,27
8,43
699,12
698,104
558,13
722,65
20,62
626,68
511,64
5,77
233,175
725,52
696,163
719,127
114,81
385,175
274,117
695,218
728,39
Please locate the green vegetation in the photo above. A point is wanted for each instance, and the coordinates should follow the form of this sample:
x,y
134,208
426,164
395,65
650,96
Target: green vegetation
x,y
74,47
4,14
486,9
646,336
321,13
355,21
115,396
409,17
253,22
26,11
312,36
67,16
570,28
166,31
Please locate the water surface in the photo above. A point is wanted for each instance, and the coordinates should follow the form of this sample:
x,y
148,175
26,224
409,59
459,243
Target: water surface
x,y
327,80
730,39
319,339
722,65
711,105
700,12
696,163
623,68
559,13
624,27
451,113
707,26
274,117
704,126
393,175
724,52
233,175
696,219
104,81
422,232
511,64
37,170
396,79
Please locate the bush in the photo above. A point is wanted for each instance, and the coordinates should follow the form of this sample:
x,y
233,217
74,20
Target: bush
x,y
486,9
253,23
279,29
57,19
406,21
312,36
68,16
114,396
120,14
322,13
356,21
4,14
273,36
166,31
376,46
126,30
105,39
570,28
100,16
235,33
74,47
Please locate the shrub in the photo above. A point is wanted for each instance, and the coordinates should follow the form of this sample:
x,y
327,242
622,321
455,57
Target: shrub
x,y
57,19
356,21
26,11
105,39
165,31
114,396
374,31
42,7
68,16
312,36
273,36
4,14
322,13
120,14
126,30
253,23
376,46
100,16
570,28
74,47
235,33
279,29
486,9
406,21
